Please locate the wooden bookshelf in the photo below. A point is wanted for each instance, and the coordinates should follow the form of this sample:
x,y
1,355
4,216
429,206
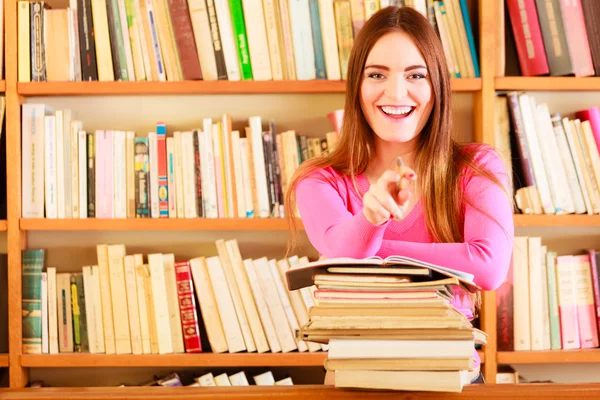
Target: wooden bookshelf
x,y
3,360
3,225
547,83
2,86
178,360
549,356
582,220
243,224
201,87
152,224
174,360
302,392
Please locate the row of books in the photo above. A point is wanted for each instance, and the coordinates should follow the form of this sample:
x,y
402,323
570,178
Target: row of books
x,y
144,40
548,301
210,172
239,378
556,37
555,159
389,323
128,305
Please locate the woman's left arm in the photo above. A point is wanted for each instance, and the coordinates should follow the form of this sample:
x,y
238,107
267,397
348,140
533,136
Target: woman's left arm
x,y
488,233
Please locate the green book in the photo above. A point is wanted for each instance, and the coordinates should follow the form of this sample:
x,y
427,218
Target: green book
x,y
33,264
241,38
553,300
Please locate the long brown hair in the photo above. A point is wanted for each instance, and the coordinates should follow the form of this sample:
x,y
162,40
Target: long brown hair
x,y
439,160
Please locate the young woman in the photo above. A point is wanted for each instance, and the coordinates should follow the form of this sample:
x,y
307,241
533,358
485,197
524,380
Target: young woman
x,y
453,207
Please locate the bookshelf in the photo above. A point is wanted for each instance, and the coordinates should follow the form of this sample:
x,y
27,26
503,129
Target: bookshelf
x,y
475,94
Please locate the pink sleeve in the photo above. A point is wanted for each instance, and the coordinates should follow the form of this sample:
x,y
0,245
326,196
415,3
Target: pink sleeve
x,y
331,228
488,241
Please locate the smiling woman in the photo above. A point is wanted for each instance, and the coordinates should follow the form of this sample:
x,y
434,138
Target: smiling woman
x,y
452,207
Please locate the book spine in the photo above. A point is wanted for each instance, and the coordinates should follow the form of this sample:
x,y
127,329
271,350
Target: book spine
x,y
163,179
555,39
241,39
216,37
33,264
87,48
184,38
38,55
116,41
198,175
575,29
187,307
142,187
91,172
317,39
76,310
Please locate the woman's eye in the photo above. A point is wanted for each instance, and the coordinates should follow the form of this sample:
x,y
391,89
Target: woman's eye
x,y
417,76
376,75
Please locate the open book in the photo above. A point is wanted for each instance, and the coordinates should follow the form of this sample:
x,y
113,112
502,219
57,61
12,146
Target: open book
x,y
301,276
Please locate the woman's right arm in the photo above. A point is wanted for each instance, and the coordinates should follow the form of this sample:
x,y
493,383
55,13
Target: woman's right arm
x,y
331,228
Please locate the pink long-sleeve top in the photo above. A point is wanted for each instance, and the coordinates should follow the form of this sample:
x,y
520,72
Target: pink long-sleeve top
x,y
331,212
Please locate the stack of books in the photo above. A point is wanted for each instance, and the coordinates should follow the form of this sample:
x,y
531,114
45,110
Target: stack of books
x,y
389,323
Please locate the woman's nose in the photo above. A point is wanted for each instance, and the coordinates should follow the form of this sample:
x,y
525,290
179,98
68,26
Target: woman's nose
x,y
397,88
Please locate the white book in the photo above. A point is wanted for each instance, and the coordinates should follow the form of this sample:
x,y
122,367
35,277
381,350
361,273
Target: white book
x,y
246,164
141,21
285,302
267,285
237,175
264,379
132,304
153,161
546,345
83,162
229,178
536,324
76,127
304,53
144,271
173,303
207,169
44,298
521,311
208,305
571,136
61,176
138,260
228,43
189,175
179,180
118,293
106,299
68,168
258,164
231,326
272,19
50,166
568,165
257,39
206,380
203,39
262,308
171,188
119,177
52,311
222,380
330,45
239,379
157,51
160,303
285,382
238,300
130,173
539,171
98,320
557,177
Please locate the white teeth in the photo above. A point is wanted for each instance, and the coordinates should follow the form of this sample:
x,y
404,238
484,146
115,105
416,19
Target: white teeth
x,y
396,110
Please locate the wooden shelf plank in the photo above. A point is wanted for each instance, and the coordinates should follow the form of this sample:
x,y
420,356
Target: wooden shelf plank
x,y
547,83
2,86
177,360
522,220
201,87
314,392
242,224
162,224
3,360
549,356
174,360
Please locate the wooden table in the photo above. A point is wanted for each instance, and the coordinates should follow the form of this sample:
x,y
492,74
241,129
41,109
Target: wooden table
x,y
304,392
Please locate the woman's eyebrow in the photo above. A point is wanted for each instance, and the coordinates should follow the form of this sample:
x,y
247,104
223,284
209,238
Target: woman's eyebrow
x,y
410,67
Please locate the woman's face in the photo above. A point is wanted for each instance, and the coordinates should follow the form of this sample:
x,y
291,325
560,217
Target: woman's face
x,y
396,95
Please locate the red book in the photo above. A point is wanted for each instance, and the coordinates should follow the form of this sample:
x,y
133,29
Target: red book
x,y
187,308
592,114
163,181
528,37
